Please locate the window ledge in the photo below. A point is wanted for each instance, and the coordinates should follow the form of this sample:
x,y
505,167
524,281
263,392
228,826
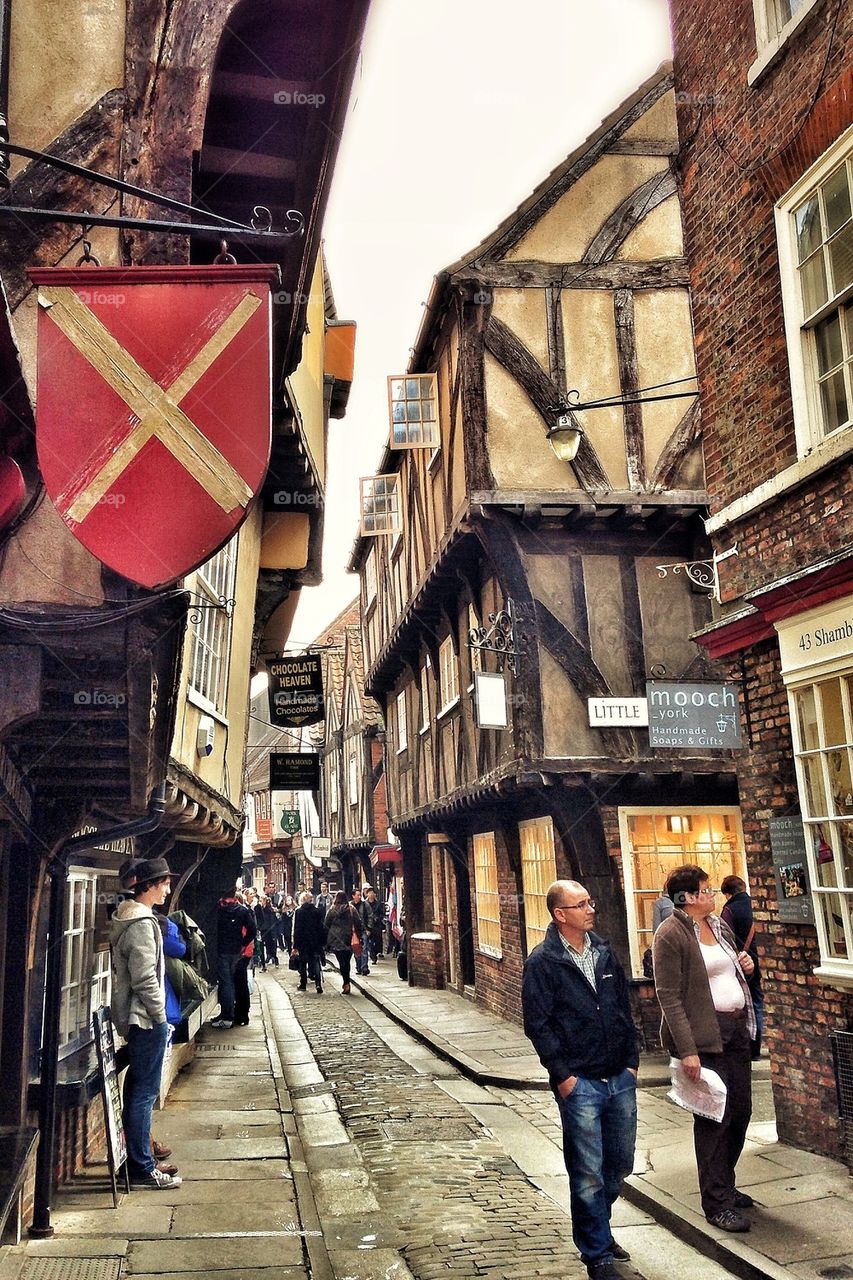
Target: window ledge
x,y
425,728
448,708
492,952
436,454
402,750
830,450
771,51
835,973
198,700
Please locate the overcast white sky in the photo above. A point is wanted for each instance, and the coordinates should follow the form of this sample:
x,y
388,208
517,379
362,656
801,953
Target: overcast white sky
x,y
460,108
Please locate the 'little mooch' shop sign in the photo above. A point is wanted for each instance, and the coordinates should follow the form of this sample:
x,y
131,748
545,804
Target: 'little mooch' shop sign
x,y
691,716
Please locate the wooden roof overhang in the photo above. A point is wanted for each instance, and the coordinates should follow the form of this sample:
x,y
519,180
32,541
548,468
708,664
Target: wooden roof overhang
x,y
87,714
603,781
665,517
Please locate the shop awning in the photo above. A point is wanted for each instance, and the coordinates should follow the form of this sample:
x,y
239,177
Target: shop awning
x,y
385,853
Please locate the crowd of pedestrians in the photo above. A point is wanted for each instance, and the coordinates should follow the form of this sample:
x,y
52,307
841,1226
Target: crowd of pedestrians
x,y
256,929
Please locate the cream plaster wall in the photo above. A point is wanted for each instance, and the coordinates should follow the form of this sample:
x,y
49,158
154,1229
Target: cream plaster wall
x,y
523,311
592,368
520,455
664,336
659,235
657,124
64,57
565,232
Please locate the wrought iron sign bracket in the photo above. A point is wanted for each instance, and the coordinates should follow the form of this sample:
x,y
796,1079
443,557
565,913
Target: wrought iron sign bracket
x,y
501,637
225,603
258,230
702,573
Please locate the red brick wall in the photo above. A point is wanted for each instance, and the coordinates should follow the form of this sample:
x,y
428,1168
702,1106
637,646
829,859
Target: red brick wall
x,y
737,158
800,1011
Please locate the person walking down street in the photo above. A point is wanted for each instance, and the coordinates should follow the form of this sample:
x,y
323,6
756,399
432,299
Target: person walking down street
x,y
342,921
235,935
708,1021
737,914
322,902
308,942
574,999
288,911
138,1006
269,931
359,906
374,921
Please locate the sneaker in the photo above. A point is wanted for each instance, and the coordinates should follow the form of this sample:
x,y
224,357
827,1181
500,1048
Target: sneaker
x,y
729,1220
604,1269
743,1201
156,1180
221,1024
620,1254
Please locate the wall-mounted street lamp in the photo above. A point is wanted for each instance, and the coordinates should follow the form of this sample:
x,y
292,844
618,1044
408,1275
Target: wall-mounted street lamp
x,y
565,435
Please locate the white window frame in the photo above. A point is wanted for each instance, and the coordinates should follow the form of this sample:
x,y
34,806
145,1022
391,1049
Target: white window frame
x,y
86,973
210,652
353,778
404,399
426,719
835,970
370,577
732,844
487,894
333,786
402,723
771,34
808,418
538,872
448,676
380,505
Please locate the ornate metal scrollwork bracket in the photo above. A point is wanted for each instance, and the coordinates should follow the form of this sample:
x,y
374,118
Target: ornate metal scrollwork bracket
x,y
225,603
702,573
501,637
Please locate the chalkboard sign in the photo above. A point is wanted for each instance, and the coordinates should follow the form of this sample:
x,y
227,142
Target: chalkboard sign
x,y
111,1097
790,866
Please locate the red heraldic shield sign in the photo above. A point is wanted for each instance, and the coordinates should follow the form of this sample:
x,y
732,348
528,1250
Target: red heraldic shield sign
x,y
154,408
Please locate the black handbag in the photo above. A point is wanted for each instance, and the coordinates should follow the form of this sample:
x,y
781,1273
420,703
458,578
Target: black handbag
x,y
293,962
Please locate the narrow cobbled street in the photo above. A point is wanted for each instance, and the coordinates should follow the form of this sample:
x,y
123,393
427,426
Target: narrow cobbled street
x,y
322,1140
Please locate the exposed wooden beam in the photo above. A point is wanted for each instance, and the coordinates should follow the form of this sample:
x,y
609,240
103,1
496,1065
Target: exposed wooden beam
x,y
629,381
669,272
253,164
629,214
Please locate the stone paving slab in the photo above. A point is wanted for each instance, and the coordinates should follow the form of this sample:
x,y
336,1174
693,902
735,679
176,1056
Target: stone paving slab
x,y
253,1273
376,1264
131,1219
180,1124
242,1170
249,1148
215,1255
82,1247
264,1216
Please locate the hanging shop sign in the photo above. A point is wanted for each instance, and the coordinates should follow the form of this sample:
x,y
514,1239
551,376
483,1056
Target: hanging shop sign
x,y
294,771
790,867
154,408
490,700
290,822
317,848
618,713
296,691
688,716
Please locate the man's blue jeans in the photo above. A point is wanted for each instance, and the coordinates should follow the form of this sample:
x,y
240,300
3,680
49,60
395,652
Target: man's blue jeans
x,y
599,1119
226,966
145,1052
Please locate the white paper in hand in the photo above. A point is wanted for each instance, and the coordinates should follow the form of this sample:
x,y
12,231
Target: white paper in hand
x,y
704,1097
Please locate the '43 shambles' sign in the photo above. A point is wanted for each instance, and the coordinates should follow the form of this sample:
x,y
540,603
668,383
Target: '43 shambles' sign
x,y
691,716
296,691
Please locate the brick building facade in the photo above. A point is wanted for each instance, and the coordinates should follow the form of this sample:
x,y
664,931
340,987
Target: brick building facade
x,y
764,92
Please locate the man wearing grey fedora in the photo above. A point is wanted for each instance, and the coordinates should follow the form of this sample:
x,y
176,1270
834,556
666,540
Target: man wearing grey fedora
x,y
138,1007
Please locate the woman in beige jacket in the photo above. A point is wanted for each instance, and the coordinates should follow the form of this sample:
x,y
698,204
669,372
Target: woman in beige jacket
x,y
708,1021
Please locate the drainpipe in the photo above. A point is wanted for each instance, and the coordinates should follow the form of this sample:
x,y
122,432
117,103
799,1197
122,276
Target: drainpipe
x,y
41,1227
5,44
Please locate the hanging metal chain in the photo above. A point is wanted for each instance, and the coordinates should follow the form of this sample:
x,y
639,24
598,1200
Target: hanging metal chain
x,y
88,259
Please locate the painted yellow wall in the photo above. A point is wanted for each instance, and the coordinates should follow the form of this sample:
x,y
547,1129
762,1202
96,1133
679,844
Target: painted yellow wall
x,y
284,540
305,384
520,455
223,769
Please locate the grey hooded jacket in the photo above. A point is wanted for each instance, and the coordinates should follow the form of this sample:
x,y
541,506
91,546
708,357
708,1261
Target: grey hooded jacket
x,y
138,991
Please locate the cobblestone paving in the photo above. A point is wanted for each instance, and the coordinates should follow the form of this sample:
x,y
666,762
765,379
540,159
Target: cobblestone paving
x,y
462,1207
